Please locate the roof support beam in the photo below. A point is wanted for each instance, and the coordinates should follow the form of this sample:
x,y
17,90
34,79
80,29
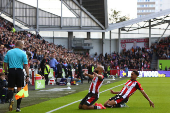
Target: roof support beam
x,y
88,35
64,30
70,40
81,14
163,33
13,14
110,42
103,43
150,33
61,14
72,10
119,36
53,37
106,14
37,20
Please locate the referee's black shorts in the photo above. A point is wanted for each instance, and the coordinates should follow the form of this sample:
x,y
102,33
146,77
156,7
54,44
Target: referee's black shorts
x,y
15,77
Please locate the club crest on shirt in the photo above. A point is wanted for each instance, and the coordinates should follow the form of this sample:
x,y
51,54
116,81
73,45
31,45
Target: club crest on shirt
x,y
128,86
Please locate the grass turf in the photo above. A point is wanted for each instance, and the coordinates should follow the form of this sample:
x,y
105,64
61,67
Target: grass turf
x,y
156,88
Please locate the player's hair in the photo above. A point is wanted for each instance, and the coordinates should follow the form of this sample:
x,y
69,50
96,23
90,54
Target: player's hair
x,y
2,73
102,67
136,72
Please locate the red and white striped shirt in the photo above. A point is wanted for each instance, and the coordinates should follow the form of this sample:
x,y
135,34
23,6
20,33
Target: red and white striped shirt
x,y
95,85
130,88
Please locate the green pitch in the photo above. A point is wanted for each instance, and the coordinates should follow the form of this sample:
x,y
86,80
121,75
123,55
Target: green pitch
x,y
156,88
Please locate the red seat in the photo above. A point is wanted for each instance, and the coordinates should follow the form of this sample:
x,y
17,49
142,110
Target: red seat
x,y
1,70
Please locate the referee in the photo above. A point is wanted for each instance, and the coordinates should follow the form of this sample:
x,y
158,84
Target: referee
x,y
15,59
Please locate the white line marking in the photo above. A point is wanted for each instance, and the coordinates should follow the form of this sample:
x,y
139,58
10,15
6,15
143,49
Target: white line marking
x,y
81,99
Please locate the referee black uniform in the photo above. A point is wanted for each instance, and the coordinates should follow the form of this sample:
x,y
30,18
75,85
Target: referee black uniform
x,y
15,58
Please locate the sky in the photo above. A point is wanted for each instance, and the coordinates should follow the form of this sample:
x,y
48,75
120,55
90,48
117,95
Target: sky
x,y
127,7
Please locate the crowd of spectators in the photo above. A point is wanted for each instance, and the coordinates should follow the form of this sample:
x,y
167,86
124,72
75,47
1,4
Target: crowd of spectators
x,y
138,58
40,49
162,48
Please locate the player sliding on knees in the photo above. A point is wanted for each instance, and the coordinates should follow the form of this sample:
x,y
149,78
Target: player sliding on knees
x,y
123,96
93,95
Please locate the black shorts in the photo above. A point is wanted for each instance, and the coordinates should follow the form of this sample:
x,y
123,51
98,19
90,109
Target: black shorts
x,y
119,99
89,99
15,77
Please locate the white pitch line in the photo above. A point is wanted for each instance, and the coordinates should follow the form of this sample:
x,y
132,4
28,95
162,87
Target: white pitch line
x,y
81,99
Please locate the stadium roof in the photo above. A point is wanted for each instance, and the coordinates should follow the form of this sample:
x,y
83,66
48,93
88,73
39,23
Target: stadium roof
x,y
153,17
86,16
93,19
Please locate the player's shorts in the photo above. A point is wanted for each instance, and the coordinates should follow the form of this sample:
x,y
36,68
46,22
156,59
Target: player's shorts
x,y
89,99
15,77
119,99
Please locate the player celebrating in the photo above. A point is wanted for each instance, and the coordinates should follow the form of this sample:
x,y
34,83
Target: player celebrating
x,y
93,95
129,89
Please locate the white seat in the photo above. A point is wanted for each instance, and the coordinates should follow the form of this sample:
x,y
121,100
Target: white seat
x,y
51,81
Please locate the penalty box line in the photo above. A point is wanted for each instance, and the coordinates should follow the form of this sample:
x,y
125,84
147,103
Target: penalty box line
x,y
80,100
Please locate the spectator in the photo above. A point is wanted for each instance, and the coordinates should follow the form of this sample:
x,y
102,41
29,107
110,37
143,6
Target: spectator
x,y
80,72
3,89
160,66
53,64
38,36
42,66
59,70
65,66
46,72
39,71
69,67
1,58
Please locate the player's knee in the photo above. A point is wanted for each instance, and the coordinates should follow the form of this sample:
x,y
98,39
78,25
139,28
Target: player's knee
x,y
84,107
105,104
80,106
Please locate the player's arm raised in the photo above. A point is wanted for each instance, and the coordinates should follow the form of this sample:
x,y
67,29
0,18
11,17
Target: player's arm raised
x,y
91,76
146,96
99,76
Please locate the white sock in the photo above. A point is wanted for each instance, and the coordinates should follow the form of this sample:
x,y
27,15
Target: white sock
x,y
98,107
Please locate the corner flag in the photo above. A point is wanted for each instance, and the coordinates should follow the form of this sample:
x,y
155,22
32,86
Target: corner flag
x,y
22,93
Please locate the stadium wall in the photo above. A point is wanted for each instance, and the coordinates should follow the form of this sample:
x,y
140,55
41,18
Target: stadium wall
x,y
164,63
96,43
97,46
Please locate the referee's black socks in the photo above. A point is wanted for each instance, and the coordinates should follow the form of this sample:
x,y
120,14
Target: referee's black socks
x,y
19,102
10,95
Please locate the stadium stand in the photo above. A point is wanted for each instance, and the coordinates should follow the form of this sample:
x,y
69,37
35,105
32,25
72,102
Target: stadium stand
x,y
138,58
163,48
